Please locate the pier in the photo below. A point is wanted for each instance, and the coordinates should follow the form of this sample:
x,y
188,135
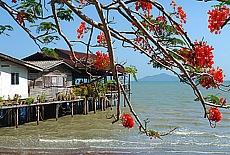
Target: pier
x,y
15,114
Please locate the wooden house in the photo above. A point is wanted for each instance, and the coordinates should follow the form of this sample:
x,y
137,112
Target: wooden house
x,y
60,73
14,76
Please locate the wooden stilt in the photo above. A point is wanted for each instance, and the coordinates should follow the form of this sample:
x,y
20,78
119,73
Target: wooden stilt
x,y
16,118
114,101
101,102
38,114
86,106
94,106
9,117
104,103
72,109
57,106
43,112
28,114
124,93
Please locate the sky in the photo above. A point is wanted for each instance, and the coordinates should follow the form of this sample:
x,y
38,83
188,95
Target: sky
x,y
19,45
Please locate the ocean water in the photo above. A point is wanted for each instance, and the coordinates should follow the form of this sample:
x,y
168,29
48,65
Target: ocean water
x,y
166,105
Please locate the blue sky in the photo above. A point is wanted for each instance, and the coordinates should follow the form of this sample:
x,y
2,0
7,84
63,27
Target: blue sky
x,y
19,45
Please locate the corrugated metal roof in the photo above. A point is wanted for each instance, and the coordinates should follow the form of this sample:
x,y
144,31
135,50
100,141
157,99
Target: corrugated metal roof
x,y
48,64
19,62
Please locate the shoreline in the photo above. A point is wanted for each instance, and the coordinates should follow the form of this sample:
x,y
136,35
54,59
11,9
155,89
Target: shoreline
x,y
40,151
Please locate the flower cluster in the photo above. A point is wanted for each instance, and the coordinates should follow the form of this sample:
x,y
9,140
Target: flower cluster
x,y
127,121
81,30
223,101
145,6
214,114
101,60
217,17
179,12
101,39
215,80
201,56
20,16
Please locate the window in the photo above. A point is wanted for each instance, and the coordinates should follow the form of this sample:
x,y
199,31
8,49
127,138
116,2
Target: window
x,y
57,81
14,78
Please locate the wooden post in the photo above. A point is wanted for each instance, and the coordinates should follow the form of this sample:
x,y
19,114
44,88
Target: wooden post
x,y
129,87
110,101
125,92
86,106
72,109
28,113
38,114
101,102
94,105
57,106
9,117
16,118
43,112
104,103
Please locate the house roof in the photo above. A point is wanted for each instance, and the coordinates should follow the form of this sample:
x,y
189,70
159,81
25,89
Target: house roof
x,y
46,65
65,56
19,62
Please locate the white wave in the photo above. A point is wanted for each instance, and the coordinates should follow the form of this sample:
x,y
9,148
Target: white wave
x,y
186,133
55,140
197,152
222,136
94,140
183,143
77,140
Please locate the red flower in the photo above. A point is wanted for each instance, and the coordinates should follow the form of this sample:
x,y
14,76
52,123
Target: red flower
x,y
81,30
127,121
101,39
14,1
201,56
101,61
20,16
217,18
214,114
145,6
218,76
223,101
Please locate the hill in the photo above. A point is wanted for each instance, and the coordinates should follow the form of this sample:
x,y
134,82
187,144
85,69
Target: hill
x,y
159,77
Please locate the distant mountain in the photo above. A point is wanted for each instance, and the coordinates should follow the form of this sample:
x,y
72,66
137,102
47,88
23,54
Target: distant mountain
x,y
159,77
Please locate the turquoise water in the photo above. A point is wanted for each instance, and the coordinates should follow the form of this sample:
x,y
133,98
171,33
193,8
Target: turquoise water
x,y
165,104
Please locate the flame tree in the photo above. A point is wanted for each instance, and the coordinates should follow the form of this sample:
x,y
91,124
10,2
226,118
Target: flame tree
x,y
149,28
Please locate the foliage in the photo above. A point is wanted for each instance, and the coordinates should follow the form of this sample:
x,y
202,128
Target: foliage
x,y
1,99
30,100
50,52
16,97
42,98
64,14
132,70
4,28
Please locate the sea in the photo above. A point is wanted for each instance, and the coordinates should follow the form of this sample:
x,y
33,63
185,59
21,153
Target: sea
x,y
166,105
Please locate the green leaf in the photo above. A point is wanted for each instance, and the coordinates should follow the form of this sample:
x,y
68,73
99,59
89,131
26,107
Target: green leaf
x,y
154,134
64,14
48,39
132,70
47,27
50,52
4,28
31,6
176,41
